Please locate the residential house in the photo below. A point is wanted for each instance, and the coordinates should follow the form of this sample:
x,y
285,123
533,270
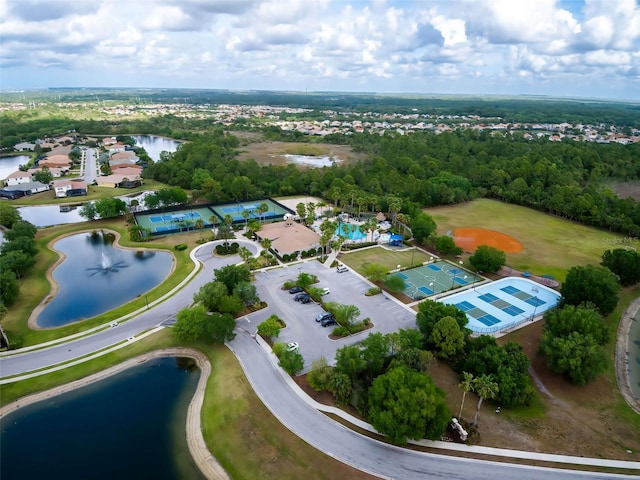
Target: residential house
x,y
69,188
17,191
17,178
24,147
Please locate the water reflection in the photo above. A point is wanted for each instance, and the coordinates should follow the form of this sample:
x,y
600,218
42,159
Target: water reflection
x,y
11,163
131,425
155,145
96,276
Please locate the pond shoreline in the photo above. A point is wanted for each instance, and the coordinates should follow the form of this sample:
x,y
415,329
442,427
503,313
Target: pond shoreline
x,y
201,455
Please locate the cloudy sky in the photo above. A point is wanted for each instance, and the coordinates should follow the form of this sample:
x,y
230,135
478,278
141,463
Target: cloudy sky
x,y
552,47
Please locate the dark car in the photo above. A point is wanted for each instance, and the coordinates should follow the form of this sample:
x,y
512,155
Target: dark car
x,y
306,299
300,297
328,322
323,315
296,289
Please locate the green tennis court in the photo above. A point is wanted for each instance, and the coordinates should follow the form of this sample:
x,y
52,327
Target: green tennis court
x,y
176,221
427,280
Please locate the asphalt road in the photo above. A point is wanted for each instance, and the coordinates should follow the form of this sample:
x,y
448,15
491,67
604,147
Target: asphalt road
x,y
269,384
363,452
161,313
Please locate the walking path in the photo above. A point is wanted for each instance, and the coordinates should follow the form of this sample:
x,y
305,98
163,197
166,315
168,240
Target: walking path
x,y
622,354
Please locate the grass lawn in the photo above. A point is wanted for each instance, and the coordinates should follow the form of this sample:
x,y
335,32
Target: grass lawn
x,y
35,286
551,245
234,420
93,193
389,258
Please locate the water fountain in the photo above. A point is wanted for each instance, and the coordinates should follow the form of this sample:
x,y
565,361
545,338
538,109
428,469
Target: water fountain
x,y
107,265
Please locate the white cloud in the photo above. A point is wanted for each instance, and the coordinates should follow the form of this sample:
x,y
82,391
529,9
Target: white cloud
x,y
372,45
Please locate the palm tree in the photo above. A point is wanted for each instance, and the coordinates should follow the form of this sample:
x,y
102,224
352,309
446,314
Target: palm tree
x,y
213,220
200,225
262,208
245,215
266,243
467,386
485,387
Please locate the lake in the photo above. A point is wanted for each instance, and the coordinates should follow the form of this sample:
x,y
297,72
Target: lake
x,y
96,277
130,425
11,163
154,145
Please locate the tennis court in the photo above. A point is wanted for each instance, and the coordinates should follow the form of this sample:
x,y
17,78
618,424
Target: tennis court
x,y
503,304
176,221
271,210
426,280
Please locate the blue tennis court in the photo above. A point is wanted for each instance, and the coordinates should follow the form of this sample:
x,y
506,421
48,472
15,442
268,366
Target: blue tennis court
x,y
504,303
240,212
188,219
434,267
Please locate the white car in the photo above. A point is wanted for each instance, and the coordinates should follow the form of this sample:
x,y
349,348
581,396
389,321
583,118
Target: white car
x,y
293,346
113,324
326,291
342,269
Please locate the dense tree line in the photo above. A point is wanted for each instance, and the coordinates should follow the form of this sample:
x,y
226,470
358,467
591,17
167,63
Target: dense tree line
x,y
424,169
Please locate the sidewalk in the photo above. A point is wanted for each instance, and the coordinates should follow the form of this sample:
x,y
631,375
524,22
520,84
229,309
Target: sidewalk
x,y
458,447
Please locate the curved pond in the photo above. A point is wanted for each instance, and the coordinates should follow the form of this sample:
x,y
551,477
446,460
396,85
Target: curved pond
x,y
96,277
11,163
155,145
130,425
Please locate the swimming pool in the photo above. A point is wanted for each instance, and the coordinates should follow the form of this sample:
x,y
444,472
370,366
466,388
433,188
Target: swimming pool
x,y
502,304
345,230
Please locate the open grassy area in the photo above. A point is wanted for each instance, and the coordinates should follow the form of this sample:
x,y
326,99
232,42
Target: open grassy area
x,y
35,286
389,258
551,245
93,193
238,429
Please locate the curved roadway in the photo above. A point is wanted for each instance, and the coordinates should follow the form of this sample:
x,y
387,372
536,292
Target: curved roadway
x,y
317,429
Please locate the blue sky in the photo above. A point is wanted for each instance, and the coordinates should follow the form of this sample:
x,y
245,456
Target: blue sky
x,y
583,48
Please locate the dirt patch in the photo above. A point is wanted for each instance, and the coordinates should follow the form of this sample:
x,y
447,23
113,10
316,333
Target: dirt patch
x,y
470,238
571,420
272,153
627,189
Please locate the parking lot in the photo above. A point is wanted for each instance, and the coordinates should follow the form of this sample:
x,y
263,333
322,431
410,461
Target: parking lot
x,y
347,288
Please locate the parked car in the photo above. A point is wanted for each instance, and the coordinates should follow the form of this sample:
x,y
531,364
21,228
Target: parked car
x,y
293,346
296,289
301,296
328,322
342,269
325,291
306,299
323,315
113,324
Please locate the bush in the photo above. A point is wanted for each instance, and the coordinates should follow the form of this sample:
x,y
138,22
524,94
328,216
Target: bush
x,y
180,246
340,331
373,291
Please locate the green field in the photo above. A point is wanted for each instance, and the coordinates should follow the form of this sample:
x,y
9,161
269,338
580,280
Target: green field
x,y
389,258
552,245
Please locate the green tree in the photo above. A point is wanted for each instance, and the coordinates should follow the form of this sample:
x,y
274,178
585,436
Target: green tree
x,y
341,386
447,338
21,244
17,261
485,388
447,246
232,275
270,327
21,228
577,355
192,324
110,207
9,287
138,233
591,284
430,312
394,283
291,362
350,362
88,211
345,314
487,259
405,404
467,385
624,263
210,295
319,377
222,325
8,215
374,271
375,353
422,226
247,292
560,322
43,176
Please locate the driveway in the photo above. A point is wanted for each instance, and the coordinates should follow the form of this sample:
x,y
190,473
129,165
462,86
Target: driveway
x,y
386,314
